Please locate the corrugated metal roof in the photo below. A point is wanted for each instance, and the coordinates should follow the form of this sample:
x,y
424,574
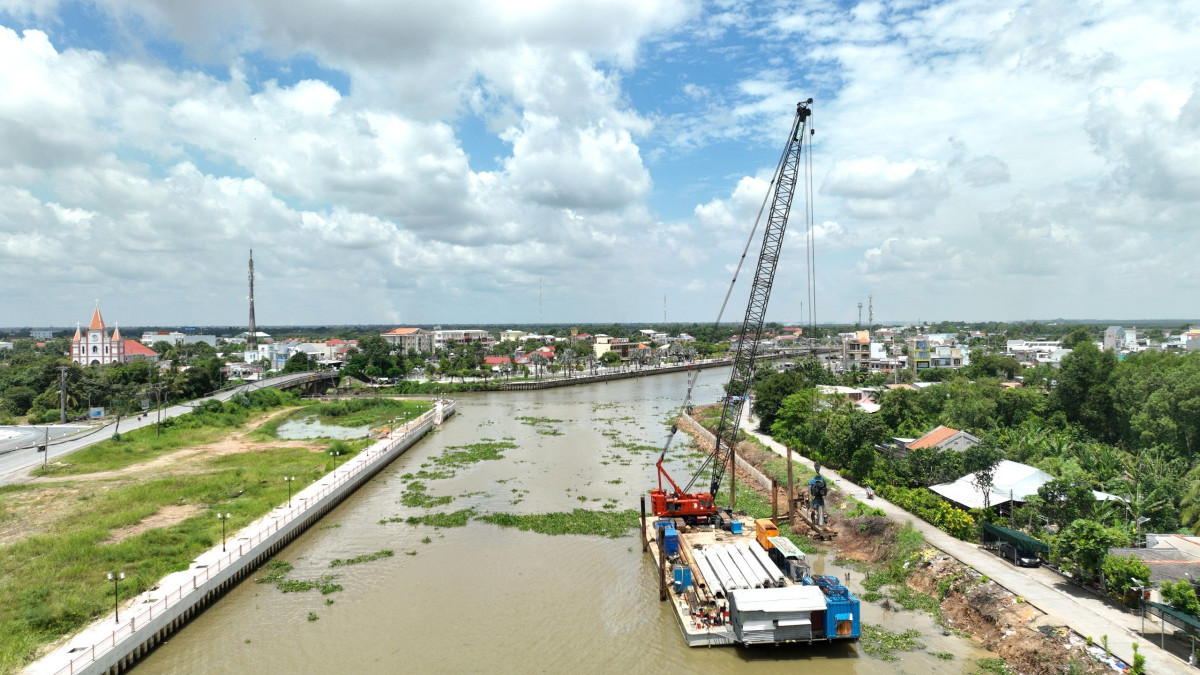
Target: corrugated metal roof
x,y
786,599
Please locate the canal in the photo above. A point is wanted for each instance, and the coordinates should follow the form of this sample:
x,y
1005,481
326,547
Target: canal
x,y
481,598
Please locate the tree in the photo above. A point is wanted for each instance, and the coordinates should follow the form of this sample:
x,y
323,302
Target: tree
x,y
992,365
1084,391
1085,543
901,410
610,358
1122,575
982,460
1076,338
299,362
1065,501
1181,596
770,392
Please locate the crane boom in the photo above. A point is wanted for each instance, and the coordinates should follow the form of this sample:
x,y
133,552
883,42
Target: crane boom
x,y
702,505
787,176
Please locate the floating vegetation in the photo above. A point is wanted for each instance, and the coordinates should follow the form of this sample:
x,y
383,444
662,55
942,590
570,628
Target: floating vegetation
x,y
882,643
410,553
415,497
324,584
579,521
871,596
277,574
542,425
276,570
312,616
455,519
366,557
427,475
945,656
329,527
460,456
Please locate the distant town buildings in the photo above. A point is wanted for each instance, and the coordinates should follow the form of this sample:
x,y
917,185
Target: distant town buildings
x,y
406,339
41,334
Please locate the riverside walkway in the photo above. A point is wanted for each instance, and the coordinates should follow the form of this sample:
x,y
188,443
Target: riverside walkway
x,y
1062,603
111,646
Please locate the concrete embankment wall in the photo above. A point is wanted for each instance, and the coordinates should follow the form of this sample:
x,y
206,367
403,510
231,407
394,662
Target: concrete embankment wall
x,y
695,427
100,649
556,381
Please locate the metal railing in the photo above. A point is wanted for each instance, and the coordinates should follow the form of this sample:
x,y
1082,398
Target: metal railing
x,y
337,478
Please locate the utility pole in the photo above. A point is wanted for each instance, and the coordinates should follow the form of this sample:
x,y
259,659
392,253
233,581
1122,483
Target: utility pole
x,y
871,311
859,324
62,394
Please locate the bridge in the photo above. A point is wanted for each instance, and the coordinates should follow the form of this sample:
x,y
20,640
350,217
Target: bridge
x,y
18,445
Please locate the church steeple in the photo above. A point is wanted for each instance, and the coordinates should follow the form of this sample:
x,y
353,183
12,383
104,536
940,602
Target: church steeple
x,y
97,320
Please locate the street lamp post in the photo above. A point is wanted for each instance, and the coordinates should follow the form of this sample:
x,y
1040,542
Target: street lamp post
x,y
223,518
116,577
289,480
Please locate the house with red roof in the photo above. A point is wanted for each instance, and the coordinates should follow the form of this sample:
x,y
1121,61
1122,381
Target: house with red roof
x,y
943,438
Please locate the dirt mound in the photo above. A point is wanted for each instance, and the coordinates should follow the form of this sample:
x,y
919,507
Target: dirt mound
x,y
1001,621
866,539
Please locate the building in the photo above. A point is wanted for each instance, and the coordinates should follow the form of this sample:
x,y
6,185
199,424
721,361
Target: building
x,y
512,335
934,352
1114,338
856,350
405,339
97,347
1032,352
604,344
177,338
136,351
41,334
448,339
5,345
944,438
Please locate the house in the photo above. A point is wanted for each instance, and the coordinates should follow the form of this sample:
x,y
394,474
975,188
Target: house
x,y
1011,482
496,362
944,438
546,352
136,351
1170,557
41,334
604,344
512,335
409,338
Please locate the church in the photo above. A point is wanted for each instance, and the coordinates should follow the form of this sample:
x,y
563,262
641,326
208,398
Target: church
x,y
97,347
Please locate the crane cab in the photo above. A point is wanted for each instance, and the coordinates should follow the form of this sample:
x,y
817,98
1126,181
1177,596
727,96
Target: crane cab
x,y
694,508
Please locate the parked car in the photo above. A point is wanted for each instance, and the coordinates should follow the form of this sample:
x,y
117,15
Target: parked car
x,y
1018,556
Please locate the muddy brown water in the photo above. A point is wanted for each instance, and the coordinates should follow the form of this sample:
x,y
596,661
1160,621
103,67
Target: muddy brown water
x,y
485,599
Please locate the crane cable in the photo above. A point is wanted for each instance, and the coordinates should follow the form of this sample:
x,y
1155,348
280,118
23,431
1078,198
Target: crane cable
x,y
687,399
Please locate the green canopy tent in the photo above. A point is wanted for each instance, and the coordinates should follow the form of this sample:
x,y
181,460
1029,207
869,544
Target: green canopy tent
x,y
1018,539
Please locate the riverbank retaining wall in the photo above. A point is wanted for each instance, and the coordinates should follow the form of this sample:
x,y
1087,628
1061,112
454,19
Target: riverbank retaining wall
x,y
697,429
101,648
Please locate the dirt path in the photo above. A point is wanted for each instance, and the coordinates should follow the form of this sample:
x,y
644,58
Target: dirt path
x,y
175,461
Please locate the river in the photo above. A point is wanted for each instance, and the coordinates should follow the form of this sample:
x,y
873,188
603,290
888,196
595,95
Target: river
x,y
481,598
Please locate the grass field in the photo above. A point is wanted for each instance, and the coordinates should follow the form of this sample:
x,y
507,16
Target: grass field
x,y
61,535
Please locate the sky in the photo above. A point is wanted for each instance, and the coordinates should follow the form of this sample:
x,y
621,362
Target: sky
x,y
508,161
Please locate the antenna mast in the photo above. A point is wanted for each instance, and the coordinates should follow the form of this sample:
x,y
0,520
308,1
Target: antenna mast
x,y
252,340
871,311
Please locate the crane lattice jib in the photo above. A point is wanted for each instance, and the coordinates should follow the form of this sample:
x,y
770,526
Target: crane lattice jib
x,y
787,175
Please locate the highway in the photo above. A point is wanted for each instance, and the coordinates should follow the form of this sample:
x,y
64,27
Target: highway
x,y
18,451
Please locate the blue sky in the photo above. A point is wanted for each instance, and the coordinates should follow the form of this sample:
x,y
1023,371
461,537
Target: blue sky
x,y
412,163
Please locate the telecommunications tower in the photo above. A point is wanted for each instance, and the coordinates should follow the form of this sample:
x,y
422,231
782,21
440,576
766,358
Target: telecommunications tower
x,y
252,338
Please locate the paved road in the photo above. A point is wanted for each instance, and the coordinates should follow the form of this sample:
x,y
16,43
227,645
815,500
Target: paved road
x,y
15,464
1063,603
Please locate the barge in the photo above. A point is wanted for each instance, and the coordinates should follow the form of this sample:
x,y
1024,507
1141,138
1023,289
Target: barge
x,y
738,582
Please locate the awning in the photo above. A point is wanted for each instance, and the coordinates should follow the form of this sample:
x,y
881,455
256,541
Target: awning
x,y
1018,539
1186,622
